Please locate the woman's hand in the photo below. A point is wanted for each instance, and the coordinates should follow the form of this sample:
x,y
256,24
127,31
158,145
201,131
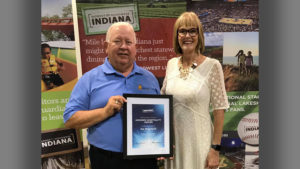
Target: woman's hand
x,y
212,159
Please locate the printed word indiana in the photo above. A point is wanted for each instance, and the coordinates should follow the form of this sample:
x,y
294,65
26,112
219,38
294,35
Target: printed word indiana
x,y
113,19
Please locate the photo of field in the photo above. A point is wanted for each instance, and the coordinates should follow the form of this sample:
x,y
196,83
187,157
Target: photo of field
x,y
214,45
226,15
146,8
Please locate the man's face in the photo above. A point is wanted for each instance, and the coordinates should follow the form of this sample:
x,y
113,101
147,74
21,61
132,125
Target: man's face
x,y
121,48
46,53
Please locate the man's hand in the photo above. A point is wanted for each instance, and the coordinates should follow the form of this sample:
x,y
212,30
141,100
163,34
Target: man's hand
x,y
163,158
114,104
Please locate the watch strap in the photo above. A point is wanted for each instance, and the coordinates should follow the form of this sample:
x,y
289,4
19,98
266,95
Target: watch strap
x,y
216,147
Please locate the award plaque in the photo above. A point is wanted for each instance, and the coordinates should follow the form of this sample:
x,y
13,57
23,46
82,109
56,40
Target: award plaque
x,y
147,126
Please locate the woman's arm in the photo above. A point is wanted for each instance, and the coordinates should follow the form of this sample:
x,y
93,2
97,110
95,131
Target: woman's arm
x,y
212,160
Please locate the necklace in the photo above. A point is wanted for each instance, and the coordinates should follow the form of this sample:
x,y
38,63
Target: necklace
x,y
184,72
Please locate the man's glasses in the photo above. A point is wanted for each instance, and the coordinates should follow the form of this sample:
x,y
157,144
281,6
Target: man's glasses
x,y
46,53
192,32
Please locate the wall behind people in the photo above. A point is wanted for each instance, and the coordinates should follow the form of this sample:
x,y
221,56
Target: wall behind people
x,y
230,26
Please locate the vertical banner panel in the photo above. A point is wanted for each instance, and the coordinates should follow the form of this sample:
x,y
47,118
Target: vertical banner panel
x,y
232,36
60,147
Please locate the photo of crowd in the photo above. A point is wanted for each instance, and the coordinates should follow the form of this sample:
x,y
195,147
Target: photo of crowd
x,y
225,16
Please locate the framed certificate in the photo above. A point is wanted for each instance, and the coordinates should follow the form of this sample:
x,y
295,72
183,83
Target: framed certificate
x,y
148,126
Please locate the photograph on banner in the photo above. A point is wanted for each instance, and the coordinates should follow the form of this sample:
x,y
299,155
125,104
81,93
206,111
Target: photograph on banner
x,y
252,157
147,8
241,147
233,151
153,23
161,8
214,45
226,15
241,126
241,61
59,71
58,77
241,123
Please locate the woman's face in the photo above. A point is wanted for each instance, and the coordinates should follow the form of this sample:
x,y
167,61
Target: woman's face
x,y
188,38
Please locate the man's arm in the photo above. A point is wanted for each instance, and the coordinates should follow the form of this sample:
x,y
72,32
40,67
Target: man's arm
x,y
86,118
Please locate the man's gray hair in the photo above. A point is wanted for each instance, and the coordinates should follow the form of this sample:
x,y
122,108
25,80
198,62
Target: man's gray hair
x,y
108,33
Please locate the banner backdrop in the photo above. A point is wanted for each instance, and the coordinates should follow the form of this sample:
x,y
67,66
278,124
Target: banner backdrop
x,y
60,147
231,36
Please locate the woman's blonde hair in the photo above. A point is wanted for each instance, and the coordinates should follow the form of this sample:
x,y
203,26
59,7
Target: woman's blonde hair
x,y
188,19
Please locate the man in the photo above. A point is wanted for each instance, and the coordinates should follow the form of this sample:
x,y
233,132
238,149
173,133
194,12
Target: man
x,y
51,67
96,100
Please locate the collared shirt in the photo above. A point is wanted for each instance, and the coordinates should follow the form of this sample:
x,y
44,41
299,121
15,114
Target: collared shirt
x,y
93,90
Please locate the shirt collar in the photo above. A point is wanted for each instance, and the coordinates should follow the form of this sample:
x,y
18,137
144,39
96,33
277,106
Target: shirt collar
x,y
109,69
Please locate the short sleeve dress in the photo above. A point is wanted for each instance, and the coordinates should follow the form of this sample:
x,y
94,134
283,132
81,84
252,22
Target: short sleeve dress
x,y
192,98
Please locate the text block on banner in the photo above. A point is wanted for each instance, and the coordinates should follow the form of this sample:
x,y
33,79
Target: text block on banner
x,y
60,141
98,20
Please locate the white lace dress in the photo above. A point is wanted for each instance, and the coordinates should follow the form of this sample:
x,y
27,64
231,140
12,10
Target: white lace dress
x,y
191,99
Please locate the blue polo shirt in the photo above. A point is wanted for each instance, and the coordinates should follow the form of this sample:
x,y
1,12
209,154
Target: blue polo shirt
x,y
93,90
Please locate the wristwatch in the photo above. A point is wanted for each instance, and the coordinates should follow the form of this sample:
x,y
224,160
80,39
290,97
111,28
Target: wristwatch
x,y
216,147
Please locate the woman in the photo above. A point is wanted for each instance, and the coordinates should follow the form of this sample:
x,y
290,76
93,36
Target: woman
x,y
241,61
195,81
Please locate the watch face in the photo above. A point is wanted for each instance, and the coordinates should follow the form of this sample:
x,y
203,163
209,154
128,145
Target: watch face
x,y
216,147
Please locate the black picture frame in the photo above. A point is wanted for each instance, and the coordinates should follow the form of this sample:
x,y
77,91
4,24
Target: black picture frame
x,y
147,126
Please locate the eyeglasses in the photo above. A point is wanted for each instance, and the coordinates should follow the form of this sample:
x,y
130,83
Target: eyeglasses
x,y
46,53
192,32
